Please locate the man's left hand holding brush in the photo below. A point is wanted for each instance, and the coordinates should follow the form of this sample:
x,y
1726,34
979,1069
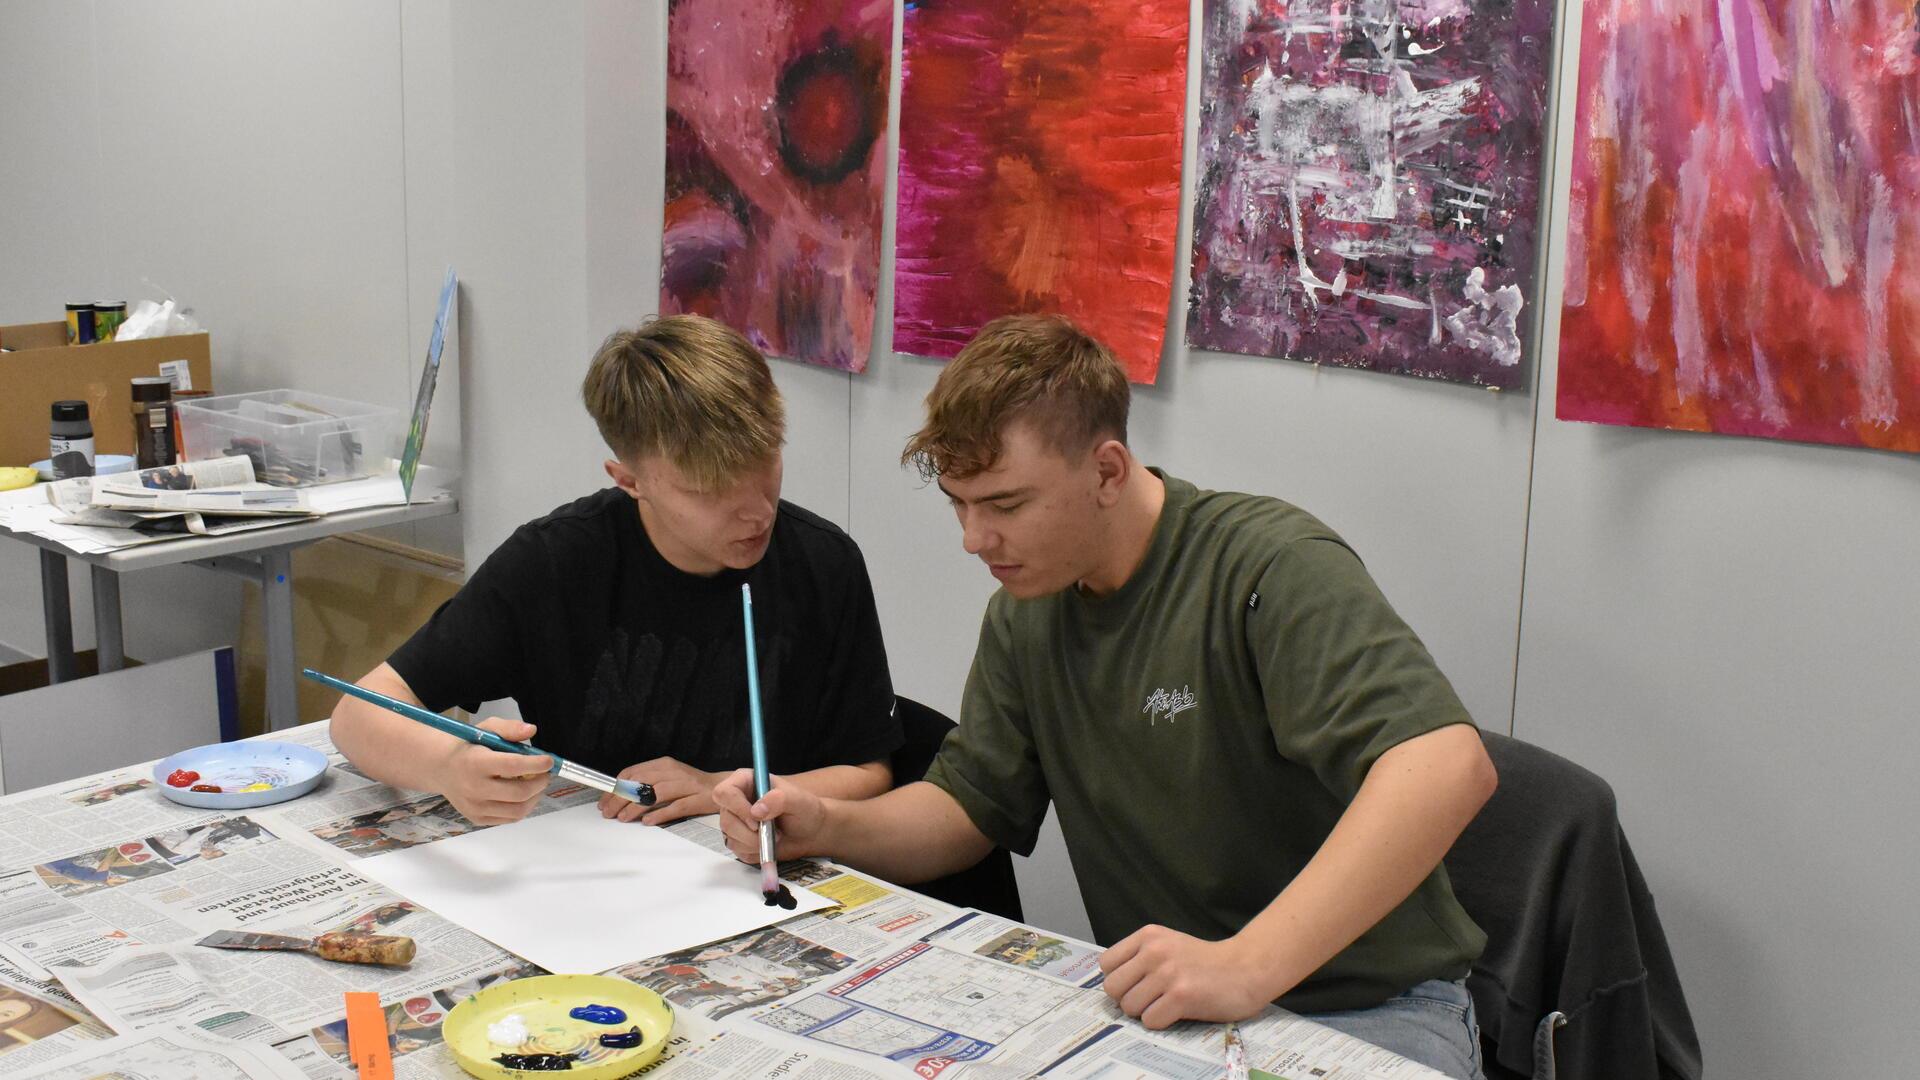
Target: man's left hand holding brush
x,y
487,786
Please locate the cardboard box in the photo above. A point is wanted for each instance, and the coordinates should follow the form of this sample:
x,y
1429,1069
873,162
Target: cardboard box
x,y
44,369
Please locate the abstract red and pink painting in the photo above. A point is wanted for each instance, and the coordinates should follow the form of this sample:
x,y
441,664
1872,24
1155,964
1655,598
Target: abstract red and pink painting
x,y
1039,169
1744,238
776,170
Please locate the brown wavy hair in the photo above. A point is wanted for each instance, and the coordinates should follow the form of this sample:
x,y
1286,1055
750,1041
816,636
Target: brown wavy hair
x,y
1038,368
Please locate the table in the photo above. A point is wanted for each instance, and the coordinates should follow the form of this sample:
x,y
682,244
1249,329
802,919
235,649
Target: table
x,y
264,556
890,984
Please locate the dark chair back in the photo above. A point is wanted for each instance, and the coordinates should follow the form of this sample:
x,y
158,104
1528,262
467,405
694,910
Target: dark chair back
x,y
989,885
1573,941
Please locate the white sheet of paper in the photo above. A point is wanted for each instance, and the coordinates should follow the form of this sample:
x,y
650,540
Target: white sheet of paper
x,y
578,894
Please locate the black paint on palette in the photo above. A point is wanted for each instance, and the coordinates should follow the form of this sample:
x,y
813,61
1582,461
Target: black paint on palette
x,y
622,1040
536,1062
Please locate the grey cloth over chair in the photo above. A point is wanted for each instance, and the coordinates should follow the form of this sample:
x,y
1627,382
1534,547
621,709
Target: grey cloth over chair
x,y
1571,929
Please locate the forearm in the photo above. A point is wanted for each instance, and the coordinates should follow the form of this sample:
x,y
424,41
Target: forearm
x,y
911,834
390,748
843,781
1412,806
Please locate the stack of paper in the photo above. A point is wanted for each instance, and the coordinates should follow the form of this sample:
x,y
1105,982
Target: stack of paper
x,y
96,514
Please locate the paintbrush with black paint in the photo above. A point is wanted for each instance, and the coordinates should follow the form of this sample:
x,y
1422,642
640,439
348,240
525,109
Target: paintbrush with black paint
x,y
631,790
341,946
771,888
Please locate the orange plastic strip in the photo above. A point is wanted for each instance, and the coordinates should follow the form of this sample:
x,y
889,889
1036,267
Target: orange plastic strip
x,y
367,1036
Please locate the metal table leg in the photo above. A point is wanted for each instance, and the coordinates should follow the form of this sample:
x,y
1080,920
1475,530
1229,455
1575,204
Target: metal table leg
x,y
276,583
58,609
108,643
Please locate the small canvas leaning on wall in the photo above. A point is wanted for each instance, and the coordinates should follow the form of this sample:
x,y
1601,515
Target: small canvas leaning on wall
x,y
776,171
1744,235
1369,183
1040,170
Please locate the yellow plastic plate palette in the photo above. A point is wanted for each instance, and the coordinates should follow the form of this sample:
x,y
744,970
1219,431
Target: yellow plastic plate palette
x,y
542,1002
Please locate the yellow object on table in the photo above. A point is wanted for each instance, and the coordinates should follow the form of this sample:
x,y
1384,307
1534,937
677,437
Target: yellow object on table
x,y
12,477
542,1004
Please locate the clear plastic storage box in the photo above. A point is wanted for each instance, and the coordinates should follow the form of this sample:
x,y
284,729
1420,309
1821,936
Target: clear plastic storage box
x,y
293,437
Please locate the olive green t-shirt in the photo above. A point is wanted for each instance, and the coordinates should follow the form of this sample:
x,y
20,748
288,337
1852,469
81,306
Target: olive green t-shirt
x,y
1202,728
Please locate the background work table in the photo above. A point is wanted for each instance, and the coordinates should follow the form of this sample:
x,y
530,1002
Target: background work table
x,y
263,556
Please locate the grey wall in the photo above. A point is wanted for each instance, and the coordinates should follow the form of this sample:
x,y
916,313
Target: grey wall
x,y
1726,630
1720,627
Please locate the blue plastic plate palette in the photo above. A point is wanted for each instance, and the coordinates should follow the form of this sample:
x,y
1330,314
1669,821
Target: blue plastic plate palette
x,y
288,770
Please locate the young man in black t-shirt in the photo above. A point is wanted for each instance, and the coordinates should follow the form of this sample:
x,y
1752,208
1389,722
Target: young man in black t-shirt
x,y
614,622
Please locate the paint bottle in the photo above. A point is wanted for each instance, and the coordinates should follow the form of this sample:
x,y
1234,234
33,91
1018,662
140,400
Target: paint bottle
x,y
107,317
80,328
72,440
152,421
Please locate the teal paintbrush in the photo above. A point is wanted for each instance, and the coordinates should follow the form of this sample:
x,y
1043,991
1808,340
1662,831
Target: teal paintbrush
x,y
631,790
770,887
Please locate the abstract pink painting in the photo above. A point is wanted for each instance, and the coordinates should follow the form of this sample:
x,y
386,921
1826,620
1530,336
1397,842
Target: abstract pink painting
x,y
1743,250
776,117
1040,170
1370,183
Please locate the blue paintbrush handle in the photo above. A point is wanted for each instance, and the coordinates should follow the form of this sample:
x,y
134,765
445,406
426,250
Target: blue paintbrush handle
x,y
433,720
631,790
760,781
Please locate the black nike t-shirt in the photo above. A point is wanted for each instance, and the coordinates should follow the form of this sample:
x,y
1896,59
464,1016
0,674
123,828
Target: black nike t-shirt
x,y
620,658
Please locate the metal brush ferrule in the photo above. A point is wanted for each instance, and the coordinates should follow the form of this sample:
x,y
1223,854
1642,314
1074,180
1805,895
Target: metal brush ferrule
x,y
585,777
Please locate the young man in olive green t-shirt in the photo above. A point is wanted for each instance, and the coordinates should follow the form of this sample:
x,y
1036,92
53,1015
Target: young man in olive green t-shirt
x,y
1256,764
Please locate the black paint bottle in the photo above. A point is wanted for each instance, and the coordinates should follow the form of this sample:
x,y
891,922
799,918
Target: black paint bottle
x,y
72,440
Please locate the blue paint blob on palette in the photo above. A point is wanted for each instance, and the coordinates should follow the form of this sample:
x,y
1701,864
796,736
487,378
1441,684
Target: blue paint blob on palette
x,y
287,769
598,1014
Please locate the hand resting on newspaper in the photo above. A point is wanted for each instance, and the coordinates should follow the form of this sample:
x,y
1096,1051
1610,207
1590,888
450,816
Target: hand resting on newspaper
x,y
679,790
1163,976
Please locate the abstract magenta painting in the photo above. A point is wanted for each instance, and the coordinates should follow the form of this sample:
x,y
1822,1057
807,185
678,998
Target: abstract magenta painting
x,y
1039,169
1743,250
776,170
1370,183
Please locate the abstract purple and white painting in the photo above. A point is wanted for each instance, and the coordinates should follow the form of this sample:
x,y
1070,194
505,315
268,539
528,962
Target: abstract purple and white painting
x,y
1370,183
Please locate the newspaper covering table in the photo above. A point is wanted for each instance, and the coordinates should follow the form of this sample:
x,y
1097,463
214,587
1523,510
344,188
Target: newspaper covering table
x,y
105,885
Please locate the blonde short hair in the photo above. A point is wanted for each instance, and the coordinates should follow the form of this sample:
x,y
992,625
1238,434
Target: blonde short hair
x,y
691,390
1039,368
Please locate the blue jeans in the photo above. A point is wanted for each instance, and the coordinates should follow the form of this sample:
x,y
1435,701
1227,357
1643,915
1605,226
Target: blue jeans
x,y
1433,1024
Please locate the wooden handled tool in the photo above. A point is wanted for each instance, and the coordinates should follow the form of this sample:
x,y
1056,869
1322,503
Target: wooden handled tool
x,y
351,948
343,946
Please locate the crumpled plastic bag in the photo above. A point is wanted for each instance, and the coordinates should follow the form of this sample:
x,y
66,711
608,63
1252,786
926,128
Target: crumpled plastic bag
x,y
152,319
